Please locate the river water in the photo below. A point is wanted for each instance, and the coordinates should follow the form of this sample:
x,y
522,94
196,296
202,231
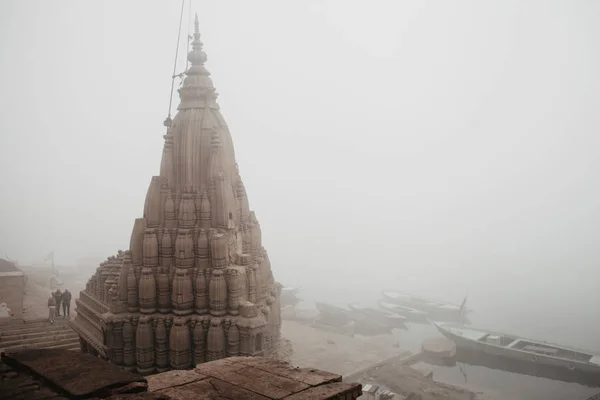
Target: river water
x,y
490,383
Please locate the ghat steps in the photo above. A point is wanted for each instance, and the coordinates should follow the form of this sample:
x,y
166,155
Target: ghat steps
x,y
37,334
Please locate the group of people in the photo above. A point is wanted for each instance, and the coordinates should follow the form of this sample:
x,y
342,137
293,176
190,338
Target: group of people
x,y
57,299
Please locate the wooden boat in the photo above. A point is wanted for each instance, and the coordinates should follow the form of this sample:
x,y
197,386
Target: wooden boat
x,y
362,323
520,349
379,316
411,314
437,310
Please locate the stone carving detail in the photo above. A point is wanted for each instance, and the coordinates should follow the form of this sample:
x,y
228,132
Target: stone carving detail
x,y
233,341
183,297
144,342
147,291
218,293
132,291
216,341
128,346
199,344
180,345
201,292
196,283
234,287
164,297
162,346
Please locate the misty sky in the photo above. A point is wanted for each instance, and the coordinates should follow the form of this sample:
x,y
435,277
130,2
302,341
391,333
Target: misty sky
x,y
381,141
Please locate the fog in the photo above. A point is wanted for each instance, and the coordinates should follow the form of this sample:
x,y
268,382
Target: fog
x,y
436,147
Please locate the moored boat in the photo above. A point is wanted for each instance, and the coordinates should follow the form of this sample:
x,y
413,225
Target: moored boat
x,y
411,314
516,348
437,310
378,316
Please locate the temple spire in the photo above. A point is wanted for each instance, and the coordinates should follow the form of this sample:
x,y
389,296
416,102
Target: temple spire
x,y
198,90
196,56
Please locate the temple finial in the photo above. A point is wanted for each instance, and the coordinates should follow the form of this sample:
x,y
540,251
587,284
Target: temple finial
x,y
196,24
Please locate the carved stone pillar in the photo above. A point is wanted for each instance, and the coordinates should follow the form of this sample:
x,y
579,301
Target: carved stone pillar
x,y
164,296
205,212
202,251
234,287
215,341
187,211
245,345
217,293
184,249
199,344
180,345
132,291
233,341
144,341
128,344
200,292
150,249
147,291
117,354
219,250
183,296
162,346
167,249
170,221
252,283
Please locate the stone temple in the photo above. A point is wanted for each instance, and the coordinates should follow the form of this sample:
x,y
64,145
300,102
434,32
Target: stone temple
x,y
196,284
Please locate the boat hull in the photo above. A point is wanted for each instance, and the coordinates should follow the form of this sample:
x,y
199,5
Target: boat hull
x,y
412,315
470,346
378,317
436,310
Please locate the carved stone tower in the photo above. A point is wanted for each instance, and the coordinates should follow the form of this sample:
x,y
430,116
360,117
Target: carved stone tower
x,y
196,284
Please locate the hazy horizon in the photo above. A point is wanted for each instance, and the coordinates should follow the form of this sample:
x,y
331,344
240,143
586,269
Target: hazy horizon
x,y
437,147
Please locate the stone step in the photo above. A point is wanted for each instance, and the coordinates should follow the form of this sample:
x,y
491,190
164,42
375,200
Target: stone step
x,y
32,323
51,344
35,335
25,329
38,338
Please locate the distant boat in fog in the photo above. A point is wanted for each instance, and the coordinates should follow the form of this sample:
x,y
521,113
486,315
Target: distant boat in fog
x,y
527,351
411,314
365,322
436,310
379,316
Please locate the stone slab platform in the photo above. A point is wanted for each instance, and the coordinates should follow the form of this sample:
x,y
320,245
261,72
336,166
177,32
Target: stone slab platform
x,y
72,374
256,378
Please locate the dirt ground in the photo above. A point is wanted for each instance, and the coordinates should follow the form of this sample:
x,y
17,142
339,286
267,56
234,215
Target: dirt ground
x,y
335,352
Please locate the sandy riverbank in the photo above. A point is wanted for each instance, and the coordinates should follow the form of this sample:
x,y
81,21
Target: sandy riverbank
x,y
374,359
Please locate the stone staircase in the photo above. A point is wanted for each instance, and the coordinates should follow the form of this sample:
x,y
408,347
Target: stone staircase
x,y
37,334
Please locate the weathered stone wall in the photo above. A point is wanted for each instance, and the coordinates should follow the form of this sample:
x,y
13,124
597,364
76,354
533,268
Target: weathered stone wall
x,y
12,288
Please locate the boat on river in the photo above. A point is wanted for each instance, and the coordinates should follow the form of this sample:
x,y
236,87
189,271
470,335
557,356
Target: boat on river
x,y
411,314
436,310
516,348
379,316
363,323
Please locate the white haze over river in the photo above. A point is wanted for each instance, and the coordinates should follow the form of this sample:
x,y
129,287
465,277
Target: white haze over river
x,y
432,147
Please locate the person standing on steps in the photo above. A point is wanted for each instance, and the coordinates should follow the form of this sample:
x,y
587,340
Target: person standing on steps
x,y
51,308
66,303
57,299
